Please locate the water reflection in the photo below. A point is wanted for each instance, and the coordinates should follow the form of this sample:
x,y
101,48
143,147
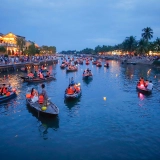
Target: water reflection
x,y
71,102
45,123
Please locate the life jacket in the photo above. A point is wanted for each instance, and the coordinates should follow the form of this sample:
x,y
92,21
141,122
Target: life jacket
x,y
4,90
30,75
8,94
70,91
77,88
40,75
41,99
28,95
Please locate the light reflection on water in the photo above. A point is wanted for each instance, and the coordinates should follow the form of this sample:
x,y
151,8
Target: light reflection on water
x,y
124,126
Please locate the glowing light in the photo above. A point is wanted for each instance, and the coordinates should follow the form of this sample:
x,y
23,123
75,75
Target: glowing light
x,y
155,76
79,84
116,75
104,98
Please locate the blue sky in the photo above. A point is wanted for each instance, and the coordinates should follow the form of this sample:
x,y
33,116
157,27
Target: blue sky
x,y
78,24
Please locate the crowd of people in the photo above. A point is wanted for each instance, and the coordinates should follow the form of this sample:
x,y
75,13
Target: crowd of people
x,y
145,84
23,59
39,74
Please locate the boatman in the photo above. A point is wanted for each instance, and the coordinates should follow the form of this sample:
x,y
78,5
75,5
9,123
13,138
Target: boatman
x,y
150,85
44,94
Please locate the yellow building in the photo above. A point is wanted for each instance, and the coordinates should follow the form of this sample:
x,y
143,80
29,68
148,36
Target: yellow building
x,y
9,42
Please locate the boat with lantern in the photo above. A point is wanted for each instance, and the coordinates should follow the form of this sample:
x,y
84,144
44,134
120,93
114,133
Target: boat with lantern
x,y
38,80
87,74
8,96
71,68
76,94
143,89
50,109
99,64
106,65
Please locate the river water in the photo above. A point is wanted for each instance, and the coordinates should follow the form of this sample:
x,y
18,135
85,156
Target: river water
x,y
124,126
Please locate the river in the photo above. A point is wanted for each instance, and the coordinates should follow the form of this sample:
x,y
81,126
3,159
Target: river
x,y
111,120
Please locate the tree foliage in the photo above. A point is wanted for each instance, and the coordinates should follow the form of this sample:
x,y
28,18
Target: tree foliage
x,y
147,33
2,49
20,43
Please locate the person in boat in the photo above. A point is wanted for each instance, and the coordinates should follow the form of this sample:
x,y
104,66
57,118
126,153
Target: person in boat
x,y
35,74
146,83
142,81
34,93
47,74
4,90
9,88
30,75
77,88
150,85
43,96
70,90
42,67
41,75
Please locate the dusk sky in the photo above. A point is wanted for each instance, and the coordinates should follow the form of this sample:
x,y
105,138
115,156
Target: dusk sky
x,y
78,24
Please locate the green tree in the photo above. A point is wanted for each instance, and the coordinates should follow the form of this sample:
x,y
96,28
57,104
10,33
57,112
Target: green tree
x,y
147,33
157,45
20,43
2,49
129,44
31,49
142,47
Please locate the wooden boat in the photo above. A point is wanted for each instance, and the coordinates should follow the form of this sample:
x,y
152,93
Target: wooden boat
x,y
87,74
133,63
144,90
99,64
72,96
80,62
37,80
87,62
63,65
94,62
106,65
51,110
6,98
71,69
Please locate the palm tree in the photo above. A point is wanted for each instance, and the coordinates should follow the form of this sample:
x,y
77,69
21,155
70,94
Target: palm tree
x,y
130,44
147,33
20,43
157,44
142,47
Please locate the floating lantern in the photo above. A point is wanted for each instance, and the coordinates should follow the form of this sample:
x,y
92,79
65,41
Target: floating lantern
x,y
104,98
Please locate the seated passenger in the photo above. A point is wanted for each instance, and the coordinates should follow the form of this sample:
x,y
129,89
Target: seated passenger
x,y
48,74
9,88
150,85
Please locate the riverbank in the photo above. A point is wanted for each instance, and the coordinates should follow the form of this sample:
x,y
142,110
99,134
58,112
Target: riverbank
x,y
18,66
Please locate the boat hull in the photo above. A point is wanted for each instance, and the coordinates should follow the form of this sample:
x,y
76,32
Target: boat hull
x,y
143,90
73,96
6,98
52,109
38,80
